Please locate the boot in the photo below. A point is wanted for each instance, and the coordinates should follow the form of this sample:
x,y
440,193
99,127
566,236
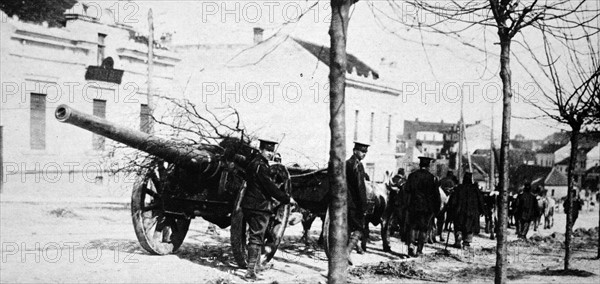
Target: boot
x,y
253,258
411,251
457,239
354,239
421,243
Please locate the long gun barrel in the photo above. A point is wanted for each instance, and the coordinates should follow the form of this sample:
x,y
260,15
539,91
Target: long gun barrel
x,y
202,160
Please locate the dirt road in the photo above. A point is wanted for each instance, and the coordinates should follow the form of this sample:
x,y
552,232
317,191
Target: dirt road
x,y
78,242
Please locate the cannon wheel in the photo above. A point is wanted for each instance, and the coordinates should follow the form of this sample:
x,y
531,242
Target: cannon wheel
x,y
275,229
157,232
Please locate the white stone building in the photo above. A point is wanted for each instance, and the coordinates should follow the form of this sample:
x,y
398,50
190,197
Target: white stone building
x,y
280,88
43,67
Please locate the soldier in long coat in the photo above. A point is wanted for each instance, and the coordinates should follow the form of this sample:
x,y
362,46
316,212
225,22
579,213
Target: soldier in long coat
x,y
466,204
526,210
357,195
257,203
424,202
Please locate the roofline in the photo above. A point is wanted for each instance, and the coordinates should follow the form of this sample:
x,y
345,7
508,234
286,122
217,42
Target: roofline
x,y
372,87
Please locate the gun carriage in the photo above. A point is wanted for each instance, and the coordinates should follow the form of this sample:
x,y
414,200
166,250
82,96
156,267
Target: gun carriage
x,y
183,182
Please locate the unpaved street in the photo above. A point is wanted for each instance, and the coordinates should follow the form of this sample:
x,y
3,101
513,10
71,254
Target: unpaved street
x,y
95,242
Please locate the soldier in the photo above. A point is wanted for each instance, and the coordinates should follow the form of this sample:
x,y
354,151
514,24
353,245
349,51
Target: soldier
x,y
357,195
257,203
466,204
399,179
577,205
424,200
527,209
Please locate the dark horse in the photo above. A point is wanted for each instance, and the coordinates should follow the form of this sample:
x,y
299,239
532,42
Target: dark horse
x,y
311,190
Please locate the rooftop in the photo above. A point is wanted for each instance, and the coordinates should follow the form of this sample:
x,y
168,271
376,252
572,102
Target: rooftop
x,y
322,53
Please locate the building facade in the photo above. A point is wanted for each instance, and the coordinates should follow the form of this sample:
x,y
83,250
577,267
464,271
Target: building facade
x,y
279,87
97,66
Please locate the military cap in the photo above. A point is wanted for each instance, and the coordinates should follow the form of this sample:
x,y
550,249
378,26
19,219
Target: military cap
x,y
267,144
425,161
361,146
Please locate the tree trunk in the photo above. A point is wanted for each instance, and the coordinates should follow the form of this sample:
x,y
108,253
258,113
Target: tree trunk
x,y
572,161
505,75
338,209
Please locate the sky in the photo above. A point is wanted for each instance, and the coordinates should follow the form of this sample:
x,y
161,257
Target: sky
x,y
431,69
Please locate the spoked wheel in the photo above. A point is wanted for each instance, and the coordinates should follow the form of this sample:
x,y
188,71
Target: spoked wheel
x,y
275,229
157,232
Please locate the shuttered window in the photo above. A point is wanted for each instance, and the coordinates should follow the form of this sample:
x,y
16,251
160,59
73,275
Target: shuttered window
x,y
37,126
99,111
356,125
371,127
370,170
145,118
101,47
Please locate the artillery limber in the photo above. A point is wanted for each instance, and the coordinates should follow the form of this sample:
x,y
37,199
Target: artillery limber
x,y
183,182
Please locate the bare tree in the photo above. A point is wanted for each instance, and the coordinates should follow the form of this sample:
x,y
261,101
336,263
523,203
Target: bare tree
x,y
572,100
508,18
338,228
185,125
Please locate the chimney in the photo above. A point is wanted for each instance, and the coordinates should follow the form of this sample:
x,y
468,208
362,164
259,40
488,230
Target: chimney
x,y
258,35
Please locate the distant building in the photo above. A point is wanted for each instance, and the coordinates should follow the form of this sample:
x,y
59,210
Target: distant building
x,y
587,149
519,142
545,156
431,139
545,178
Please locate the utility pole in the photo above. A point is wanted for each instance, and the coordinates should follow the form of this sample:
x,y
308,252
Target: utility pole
x,y
461,138
150,71
1,160
492,164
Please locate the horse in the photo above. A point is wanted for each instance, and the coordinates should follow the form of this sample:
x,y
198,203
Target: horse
x,y
537,219
548,210
377,204
311,190
438,221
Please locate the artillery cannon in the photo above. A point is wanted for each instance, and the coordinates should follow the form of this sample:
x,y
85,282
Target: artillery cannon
x,y
184,182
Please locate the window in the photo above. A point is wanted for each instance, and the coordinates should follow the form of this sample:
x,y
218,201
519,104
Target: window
x,y
99,111
370,170
371,127
355,125
389,129
37,122
145,118
101,47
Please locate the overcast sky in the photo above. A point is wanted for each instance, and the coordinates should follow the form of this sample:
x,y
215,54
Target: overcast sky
x,y
442,67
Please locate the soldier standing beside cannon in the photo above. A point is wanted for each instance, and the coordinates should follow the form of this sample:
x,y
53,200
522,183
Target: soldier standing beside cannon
x,y
424,200
257,204
357,195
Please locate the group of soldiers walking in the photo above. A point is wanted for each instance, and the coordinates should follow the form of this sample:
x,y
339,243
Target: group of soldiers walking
x,y
424,199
